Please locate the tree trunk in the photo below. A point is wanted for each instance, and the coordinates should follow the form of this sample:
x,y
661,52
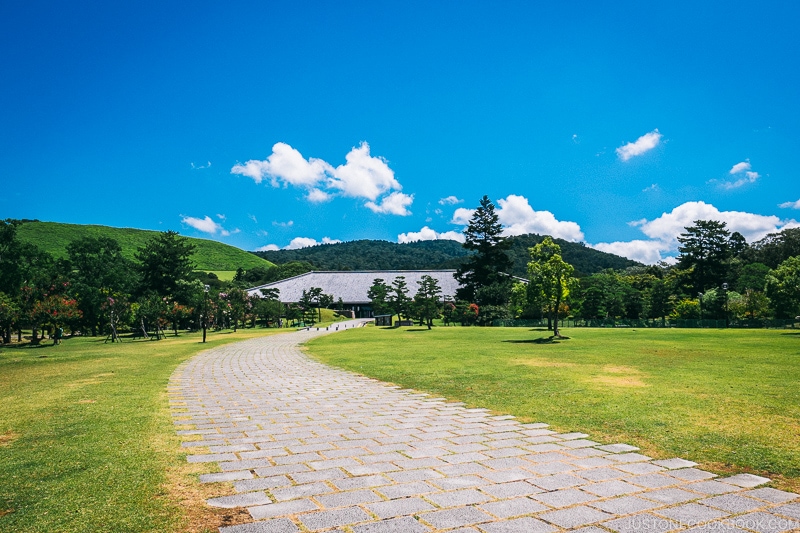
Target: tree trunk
x,y
555,319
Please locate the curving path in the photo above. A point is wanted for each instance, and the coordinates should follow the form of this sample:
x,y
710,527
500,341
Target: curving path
x,y
313,448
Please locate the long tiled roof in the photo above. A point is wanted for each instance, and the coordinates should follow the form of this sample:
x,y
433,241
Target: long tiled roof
x,y
352,287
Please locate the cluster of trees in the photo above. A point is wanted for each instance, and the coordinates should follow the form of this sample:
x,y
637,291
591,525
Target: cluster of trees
x,y
95,290
717,275
394,299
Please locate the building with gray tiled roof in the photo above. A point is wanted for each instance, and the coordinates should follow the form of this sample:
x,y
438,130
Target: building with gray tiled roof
x,y
352,286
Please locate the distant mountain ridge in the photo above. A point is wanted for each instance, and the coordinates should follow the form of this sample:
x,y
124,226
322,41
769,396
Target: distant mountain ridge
x,y
53,237
438,254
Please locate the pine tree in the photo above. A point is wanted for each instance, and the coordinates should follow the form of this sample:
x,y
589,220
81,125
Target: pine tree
x,y
705,247
484,277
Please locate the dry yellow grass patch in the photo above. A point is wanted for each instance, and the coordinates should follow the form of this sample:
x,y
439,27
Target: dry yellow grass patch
x,y
542,363
620,376
8,437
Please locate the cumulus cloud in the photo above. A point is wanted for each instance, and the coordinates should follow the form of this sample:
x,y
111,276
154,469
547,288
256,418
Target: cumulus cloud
x,y
668,226
305,242
317,196
206,225
285,166
462,215
744,173
647,252
643,144
395,204
790,205
268,248
518,218
450,200
361,176
427,234
663,231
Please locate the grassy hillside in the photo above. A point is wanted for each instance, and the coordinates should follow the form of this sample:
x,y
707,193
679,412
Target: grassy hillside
x,y
384,255
53,237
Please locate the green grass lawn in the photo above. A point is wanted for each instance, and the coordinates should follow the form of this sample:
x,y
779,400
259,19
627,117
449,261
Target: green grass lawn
x,y
87,442
728,399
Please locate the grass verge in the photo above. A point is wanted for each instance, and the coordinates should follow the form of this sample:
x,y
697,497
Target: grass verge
x,y
87,442
727,399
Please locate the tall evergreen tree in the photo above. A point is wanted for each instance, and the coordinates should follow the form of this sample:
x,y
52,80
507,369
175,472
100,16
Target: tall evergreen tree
x,y
484,277
705,247
165,259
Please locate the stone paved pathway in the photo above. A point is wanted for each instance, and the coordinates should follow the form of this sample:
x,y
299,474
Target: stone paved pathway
x,y
312,448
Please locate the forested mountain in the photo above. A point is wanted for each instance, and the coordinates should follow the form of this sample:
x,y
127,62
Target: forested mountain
x,y
440,254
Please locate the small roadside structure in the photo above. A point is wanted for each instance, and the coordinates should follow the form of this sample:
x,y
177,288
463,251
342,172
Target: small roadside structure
x,y
383,320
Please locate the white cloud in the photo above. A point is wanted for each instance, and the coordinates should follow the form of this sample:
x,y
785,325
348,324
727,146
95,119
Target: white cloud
x,y
268,248
790,205
462,215
668,226
317,196
395,204
201,167
745,173
221,217
450,200
362,176
253,218
664,230
287,224
305,242
643,144
740,167
647,252
285,166
518,218
427,234
652,188
206,225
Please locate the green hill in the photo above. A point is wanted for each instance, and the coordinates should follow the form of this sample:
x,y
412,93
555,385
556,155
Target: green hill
x,y
53,237
421,255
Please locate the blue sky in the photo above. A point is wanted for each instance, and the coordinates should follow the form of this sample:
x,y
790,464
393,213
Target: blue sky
x,y
267,124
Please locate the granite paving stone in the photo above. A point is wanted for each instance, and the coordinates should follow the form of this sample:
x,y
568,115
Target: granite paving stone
x,y
518,525
771,495
458,497
337,517
513,507
314,448
401,507
458,517
577,516
764,522
281,525
733,503
692,513
274,510
396,525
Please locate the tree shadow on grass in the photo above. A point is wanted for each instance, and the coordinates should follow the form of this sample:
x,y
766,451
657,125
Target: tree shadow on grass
x,y
418,329
796,333
540,340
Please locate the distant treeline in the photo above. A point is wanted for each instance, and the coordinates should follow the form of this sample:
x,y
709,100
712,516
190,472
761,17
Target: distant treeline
x,y
439,254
